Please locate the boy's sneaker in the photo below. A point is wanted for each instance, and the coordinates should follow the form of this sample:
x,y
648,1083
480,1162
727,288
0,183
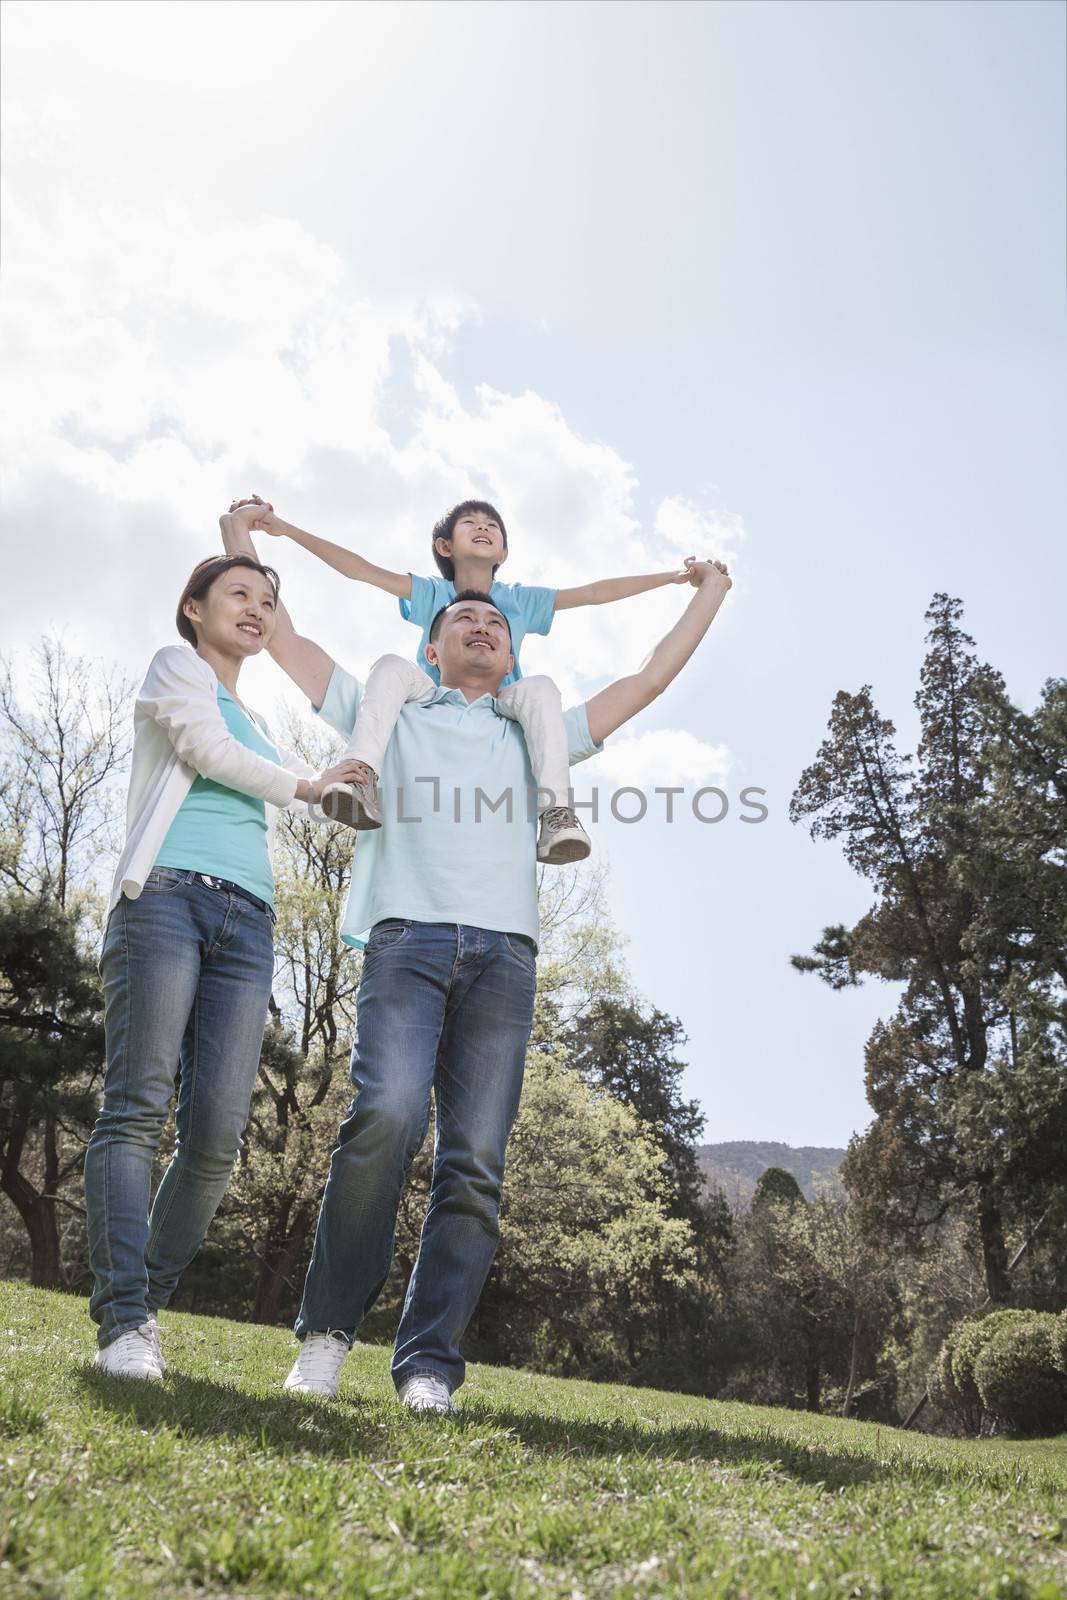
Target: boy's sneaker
x,y
317,1369
153,1327
424,1391
132,1355
355,804
562,838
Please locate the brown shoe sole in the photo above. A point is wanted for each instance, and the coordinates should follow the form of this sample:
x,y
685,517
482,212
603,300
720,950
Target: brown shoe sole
x,y
564,852
348,809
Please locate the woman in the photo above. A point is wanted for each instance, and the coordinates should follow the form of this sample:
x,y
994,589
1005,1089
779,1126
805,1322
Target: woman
x,y
187,957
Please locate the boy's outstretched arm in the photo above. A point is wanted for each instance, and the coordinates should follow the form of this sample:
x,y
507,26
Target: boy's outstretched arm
x,y
334,555
306,662
627,696
607,589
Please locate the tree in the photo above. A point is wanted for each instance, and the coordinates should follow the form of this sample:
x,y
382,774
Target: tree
x,y
777,1184
587,1239
64,742
857,1275
975,1048
779,1298
631,1054
51,1056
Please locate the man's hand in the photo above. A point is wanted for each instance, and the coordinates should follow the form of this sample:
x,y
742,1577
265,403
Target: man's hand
x,y
627,696
310,789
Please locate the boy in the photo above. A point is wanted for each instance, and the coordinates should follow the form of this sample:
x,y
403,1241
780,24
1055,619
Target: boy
x,y
469,545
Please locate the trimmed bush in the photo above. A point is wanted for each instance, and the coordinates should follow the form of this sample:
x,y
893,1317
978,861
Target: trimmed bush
x,y
941,1387
1018,1378
951,1379
1059,1340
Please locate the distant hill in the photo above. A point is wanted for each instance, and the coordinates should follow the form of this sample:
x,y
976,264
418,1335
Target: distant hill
x,y
735,1167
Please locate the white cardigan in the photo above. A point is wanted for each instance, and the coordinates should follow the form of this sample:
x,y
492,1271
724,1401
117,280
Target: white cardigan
x,y
179,733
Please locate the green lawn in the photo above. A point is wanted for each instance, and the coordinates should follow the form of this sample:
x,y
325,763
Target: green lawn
x,y
214,1483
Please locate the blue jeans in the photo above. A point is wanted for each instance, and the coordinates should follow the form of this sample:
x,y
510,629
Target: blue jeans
x,y
187,978
445,1009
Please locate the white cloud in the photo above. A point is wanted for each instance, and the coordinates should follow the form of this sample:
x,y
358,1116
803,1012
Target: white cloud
x,y
691,530
663,756
157,366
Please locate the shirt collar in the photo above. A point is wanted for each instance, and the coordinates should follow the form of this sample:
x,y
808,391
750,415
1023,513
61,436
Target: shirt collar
x,y
456,697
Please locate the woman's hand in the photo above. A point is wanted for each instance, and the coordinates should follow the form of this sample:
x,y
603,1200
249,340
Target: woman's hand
x,y
257,516
310,789
700,572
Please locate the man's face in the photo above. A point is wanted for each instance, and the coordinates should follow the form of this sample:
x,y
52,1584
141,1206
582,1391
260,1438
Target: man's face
x,y
472,640
476,534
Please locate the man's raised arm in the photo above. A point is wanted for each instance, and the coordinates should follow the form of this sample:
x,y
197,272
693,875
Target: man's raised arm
x,y
627,696
301,659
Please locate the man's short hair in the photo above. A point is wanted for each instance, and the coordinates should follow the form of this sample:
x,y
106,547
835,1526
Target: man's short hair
x,y
468,594
446,527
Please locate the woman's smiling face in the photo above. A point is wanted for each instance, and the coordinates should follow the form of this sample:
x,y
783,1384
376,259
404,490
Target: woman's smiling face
x,y
237,613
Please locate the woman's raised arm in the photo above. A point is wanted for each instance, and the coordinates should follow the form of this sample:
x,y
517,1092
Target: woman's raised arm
x,y
301,659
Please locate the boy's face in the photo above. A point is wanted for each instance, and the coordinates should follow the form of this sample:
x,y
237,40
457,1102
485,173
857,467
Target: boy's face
x,y
475,535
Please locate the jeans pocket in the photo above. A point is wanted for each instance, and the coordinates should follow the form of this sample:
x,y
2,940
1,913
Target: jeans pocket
x,y
522,949
163,878
388,932
114,935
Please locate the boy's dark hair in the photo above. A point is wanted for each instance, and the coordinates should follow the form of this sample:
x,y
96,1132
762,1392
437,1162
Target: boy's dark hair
x,y
467,594
446,527
204,574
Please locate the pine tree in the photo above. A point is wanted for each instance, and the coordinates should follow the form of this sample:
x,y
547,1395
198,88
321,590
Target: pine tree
x,y
965,853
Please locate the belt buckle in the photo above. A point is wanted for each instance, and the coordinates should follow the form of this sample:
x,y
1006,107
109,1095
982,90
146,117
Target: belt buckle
x,y
212,883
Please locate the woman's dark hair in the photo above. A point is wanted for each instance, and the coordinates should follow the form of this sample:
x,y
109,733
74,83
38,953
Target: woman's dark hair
x,y
204,575
468,594
447,527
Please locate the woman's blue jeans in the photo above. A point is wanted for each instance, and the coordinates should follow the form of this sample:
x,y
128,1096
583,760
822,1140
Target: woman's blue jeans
x,y
187,979
443,1009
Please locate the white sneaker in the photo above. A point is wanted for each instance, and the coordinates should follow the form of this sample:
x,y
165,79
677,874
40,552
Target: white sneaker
x,y
156,1331
357,805
317,1369
562,838
424,1391
132,1355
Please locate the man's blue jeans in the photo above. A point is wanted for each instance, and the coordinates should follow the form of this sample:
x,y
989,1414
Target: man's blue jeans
x,y
187,978
447,1009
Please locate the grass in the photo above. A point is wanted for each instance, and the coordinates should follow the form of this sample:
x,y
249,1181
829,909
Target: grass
x,y
214,1483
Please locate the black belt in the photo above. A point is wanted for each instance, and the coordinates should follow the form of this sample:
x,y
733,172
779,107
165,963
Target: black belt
x,y
236,888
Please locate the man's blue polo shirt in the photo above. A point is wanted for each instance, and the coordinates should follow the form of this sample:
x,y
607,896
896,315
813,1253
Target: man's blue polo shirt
x,y
447,850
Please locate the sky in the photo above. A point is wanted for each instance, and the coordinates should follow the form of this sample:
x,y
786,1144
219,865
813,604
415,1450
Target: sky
x,y
778,283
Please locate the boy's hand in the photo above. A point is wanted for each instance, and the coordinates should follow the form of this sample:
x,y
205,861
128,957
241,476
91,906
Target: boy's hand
x,y
257,516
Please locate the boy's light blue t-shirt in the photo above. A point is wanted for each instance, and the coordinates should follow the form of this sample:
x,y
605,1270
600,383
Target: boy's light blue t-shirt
x,y
221,831
441,855
528,608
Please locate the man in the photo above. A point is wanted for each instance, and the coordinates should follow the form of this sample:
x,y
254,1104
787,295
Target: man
x,y
444,902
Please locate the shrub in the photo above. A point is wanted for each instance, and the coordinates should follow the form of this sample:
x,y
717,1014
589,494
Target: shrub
x,y
1059,1341
1018,1378
951,1379
941,1388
